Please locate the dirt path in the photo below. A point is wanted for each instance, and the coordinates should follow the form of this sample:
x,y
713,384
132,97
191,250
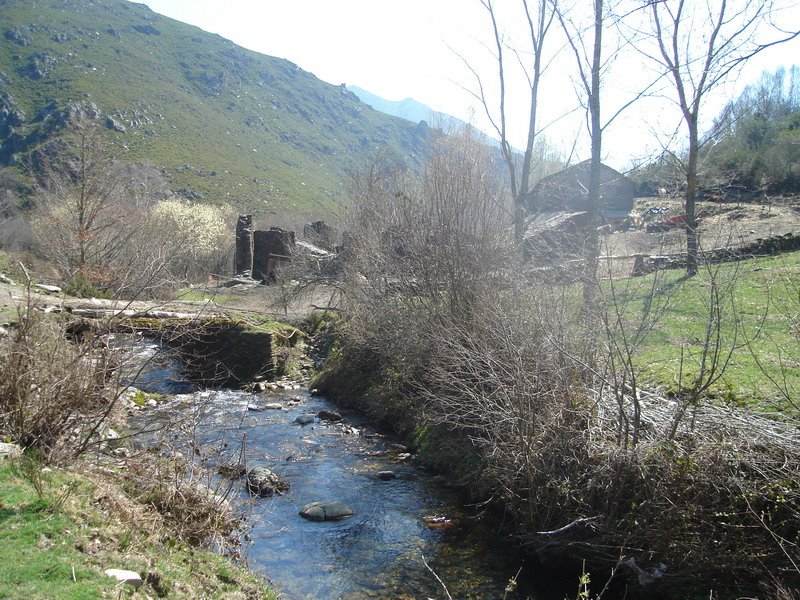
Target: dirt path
x,y
728,225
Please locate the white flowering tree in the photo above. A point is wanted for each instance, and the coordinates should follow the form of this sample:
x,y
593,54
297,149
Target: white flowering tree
x,y
201,237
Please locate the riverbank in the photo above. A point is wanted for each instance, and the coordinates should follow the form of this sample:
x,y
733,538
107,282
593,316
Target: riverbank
x,y
64,528
84,514
150,504
680,496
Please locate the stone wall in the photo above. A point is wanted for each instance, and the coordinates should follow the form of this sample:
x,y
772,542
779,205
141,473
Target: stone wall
x,y
243,256
789,242
270,249
259,253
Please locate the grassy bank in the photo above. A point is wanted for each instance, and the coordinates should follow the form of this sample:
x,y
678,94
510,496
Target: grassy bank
x,y
81,500
746,313
57,542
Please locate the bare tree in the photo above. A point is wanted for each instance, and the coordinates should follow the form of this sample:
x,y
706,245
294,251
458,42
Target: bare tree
x,y
102,227
87,209
699,45
593,58
589,72
539,18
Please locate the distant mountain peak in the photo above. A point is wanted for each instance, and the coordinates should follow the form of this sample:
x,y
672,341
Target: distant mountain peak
x,y
408,109
414,111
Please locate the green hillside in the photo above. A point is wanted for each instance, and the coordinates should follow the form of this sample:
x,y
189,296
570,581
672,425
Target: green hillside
x,y
227,124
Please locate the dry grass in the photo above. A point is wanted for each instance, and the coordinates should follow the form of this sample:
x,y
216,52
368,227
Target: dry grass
x,y
55,394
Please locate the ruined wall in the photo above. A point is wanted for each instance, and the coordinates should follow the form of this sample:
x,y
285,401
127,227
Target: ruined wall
x,y
321,235
270,248
789,242
243,256
258,253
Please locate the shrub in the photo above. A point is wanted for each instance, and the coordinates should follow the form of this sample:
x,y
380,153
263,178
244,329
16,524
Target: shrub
x,y
54,395
201,236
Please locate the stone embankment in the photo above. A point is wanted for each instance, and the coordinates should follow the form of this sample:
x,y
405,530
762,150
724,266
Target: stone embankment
x,y
788,242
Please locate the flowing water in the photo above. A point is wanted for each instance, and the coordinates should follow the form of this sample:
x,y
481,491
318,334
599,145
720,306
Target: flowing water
x,y
376,553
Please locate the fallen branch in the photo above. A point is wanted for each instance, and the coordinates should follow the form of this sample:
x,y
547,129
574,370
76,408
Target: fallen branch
x,y
444,587
565,528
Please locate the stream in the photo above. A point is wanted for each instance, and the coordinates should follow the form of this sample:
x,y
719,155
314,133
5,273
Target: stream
x,y
376,553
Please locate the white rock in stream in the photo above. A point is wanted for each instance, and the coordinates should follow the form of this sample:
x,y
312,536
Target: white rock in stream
x,y
261,481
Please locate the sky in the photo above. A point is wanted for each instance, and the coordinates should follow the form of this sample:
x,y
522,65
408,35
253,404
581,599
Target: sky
x,y
420,49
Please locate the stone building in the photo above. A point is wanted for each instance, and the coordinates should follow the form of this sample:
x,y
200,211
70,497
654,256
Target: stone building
x,y
568,191
259,254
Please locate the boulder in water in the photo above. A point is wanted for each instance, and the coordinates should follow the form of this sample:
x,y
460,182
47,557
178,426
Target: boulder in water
x,y
329,415
326,511
263,482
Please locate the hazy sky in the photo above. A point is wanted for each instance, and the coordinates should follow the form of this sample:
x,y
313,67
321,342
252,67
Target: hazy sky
x,y
412,48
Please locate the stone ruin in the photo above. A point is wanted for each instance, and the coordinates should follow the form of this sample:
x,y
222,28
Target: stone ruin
x,y
259,253
270,249
321,235
243,255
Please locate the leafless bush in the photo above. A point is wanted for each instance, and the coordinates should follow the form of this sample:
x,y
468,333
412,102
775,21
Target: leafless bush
x,y
442,333
192,503
55,397
109,226
175,470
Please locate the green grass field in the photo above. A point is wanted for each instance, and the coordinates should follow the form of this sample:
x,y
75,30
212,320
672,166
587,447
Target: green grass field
x,y
747,313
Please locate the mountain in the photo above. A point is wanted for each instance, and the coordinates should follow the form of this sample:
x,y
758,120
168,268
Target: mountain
x,y
414,111
408,109
227,125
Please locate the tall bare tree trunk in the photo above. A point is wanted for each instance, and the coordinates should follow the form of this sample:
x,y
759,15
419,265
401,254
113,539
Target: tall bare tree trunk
x,y
692,242
538,25
595,200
